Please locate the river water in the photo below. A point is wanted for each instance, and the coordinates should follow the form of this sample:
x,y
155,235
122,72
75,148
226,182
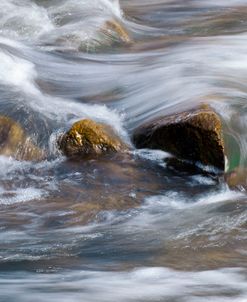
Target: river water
x,y
125,227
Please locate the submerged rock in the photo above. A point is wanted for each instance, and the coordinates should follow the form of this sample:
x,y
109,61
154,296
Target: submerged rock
x,y
237,179
14,142
194,135
116,32
99,37
110,34
87,138
103,186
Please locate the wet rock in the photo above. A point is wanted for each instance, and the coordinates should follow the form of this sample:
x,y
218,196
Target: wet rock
x,y
237,179
87,138
194,135
14,142
116,31
110,34
184,167
100,37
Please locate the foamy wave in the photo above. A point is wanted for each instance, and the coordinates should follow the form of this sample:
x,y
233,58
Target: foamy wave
x,y
48,22
181,201
19,195
20,75
145,284
23,19
17,188
17,72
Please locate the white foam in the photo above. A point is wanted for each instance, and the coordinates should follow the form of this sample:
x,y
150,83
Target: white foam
x,y
85,8
157,156
222,196
181,201
23,19
17,72
202,180
20,195
78,23
18,188
144,284
20,74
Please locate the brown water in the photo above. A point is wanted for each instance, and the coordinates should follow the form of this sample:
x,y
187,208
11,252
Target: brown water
x,y
123,227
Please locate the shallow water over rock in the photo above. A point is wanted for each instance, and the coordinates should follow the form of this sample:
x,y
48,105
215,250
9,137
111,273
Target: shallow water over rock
x,y
125,226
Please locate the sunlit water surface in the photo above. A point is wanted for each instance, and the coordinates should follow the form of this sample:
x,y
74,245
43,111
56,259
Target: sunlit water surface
x,y
124,227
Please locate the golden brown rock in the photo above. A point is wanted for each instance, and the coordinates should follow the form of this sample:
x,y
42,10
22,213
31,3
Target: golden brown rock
x,y
237,179
14,142
194,135
116,32
103,36
87,138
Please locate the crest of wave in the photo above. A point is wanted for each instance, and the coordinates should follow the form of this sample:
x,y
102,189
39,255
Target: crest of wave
x,y
69,23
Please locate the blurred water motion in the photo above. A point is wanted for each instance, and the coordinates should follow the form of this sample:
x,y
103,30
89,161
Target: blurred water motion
x,y
124,227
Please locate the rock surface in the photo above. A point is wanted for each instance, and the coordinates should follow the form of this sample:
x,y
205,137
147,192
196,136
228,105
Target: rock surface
x,y
14,142
87,138
116,32
194,135
237,179
100,37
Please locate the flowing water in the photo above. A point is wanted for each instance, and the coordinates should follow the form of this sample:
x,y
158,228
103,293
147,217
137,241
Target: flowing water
x,y
124,227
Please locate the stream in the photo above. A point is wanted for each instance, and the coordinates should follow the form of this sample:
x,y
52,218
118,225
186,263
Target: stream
x,y
123,227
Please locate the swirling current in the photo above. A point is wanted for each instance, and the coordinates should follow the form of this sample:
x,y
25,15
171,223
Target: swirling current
x,y
124,228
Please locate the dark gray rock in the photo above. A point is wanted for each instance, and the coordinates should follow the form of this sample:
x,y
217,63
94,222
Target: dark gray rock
x,y
194,135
